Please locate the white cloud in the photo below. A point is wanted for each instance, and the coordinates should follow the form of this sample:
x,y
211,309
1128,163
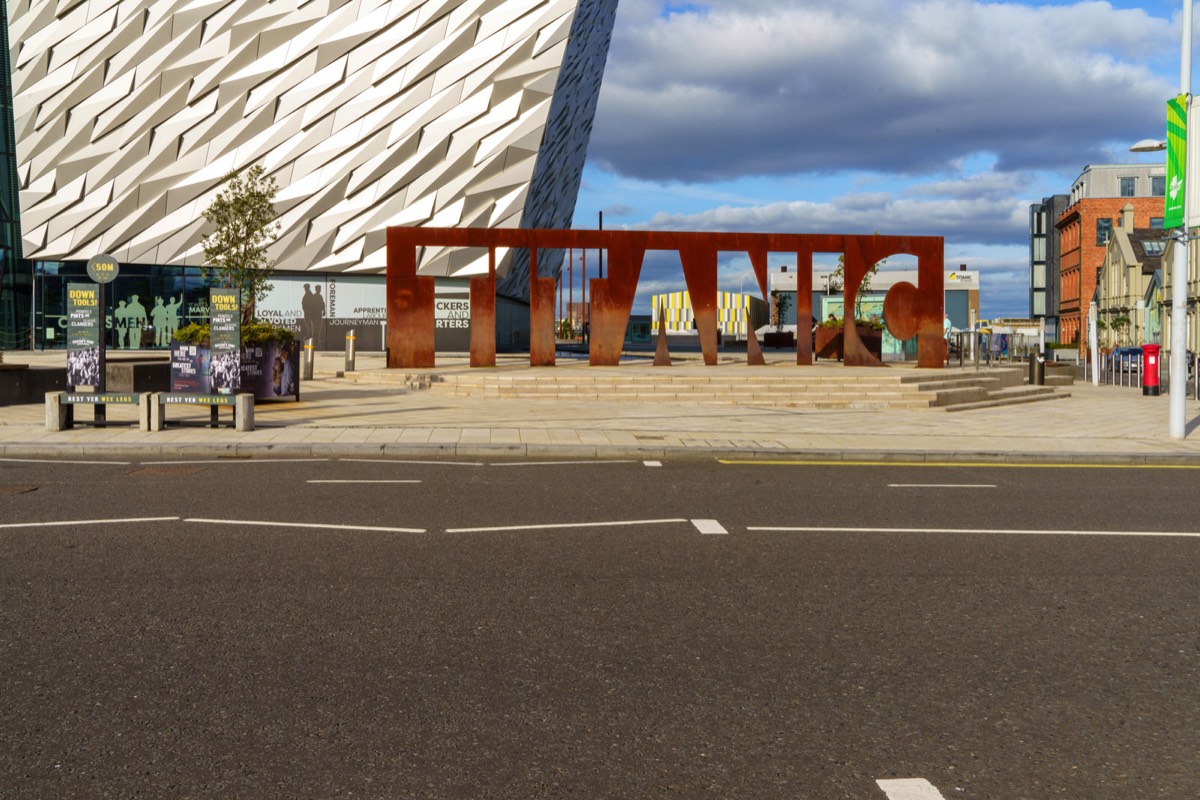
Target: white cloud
x,y
948,210
780,88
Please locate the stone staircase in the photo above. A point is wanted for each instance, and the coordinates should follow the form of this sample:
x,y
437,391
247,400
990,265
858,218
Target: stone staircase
x,y
775,386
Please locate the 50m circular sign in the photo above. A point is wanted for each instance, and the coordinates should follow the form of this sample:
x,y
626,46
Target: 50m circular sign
x,y
102,268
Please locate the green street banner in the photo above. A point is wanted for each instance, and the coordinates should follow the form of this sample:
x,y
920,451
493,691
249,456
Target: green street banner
x,y
1177,108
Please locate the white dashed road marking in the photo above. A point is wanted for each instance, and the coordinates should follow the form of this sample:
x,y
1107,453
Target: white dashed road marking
x,y
709,526
86,522
910,789
408,461
564,525
556,463
62,461
238,460
360,481
1005,531
652,463
941,486
303,525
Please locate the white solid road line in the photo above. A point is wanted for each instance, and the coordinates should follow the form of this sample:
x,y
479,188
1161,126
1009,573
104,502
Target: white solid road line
x,y
238,460
709,526
303,525
86,522
361,481
558,463
941,486
554,526
409,461
1185,534
62,461
910,789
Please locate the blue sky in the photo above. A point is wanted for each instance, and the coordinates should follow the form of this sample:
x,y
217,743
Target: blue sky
x,y
933,117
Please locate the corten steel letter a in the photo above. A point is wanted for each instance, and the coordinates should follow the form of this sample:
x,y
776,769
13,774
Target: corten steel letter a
x,y
483,315
409,306
541,315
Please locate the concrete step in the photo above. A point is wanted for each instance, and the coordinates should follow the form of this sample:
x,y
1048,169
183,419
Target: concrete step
x,y
1013,396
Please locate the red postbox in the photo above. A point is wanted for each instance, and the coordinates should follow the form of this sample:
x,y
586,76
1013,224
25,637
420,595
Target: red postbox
x,y
1150,369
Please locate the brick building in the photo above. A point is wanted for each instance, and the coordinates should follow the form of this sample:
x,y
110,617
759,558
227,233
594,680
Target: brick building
x,y
1086,227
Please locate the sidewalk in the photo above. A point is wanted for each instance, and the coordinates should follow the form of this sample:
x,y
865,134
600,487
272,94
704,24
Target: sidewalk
x,y
339,418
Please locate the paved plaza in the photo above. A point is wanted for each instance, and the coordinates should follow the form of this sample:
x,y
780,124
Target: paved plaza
x,y
341,417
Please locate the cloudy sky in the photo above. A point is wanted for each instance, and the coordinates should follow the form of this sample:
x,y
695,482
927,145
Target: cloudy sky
x,y
925,117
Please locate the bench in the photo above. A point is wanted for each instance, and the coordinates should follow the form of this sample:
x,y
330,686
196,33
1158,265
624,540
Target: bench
x,y
60,407
242,406
151,407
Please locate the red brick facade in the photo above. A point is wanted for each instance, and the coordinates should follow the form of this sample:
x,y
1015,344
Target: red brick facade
x,y
1083,254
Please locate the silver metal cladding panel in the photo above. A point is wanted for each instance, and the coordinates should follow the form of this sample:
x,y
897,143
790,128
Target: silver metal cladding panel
x,y
369,113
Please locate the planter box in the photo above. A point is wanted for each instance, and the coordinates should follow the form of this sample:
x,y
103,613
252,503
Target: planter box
x,y
269,371
786,339
829,344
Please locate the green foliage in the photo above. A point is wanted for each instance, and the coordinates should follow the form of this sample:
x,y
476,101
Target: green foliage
x,y
194,333
782,303
243,221
254,334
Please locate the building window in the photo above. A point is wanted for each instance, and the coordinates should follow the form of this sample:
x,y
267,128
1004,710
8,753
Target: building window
x,y
1103,230
1156,223
1127,186
1158,185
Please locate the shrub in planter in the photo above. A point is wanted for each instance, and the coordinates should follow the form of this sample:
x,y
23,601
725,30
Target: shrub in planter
x,y
269,366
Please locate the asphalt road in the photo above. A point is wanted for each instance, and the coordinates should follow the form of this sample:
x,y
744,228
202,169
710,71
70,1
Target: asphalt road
x,y
253,629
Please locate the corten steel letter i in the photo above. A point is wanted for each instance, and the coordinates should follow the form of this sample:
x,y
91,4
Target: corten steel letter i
x,y
541,315
483,315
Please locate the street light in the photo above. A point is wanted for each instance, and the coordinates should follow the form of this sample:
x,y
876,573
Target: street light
x,y
1176,426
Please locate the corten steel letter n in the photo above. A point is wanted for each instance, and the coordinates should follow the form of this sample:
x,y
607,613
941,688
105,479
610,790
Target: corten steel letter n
x,y
409,305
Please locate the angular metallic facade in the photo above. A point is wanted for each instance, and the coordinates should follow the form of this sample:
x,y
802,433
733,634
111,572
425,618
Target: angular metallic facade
x,y
369,113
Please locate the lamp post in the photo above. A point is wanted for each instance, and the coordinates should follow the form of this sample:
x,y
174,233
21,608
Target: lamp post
x,y
1179,272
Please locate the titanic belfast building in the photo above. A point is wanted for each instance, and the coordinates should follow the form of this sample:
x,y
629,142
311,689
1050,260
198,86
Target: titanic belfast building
x,y
121,119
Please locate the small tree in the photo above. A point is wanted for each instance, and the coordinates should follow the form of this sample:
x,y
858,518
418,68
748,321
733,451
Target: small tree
x,y
835,279
242,216
781,303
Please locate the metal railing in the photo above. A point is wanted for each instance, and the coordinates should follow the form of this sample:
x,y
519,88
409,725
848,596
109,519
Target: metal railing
x,y
1127,369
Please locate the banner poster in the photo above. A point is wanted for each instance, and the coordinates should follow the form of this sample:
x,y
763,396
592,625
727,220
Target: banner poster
x,y
189,369
83,334
272,370
225,338
452,317
326,308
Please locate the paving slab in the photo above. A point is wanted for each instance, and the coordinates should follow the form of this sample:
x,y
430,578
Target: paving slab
x,y
376,417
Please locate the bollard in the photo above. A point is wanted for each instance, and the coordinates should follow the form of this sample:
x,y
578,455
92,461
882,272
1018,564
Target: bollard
x,y
243,412
158,417
57,418
350,351
309,357
145,400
